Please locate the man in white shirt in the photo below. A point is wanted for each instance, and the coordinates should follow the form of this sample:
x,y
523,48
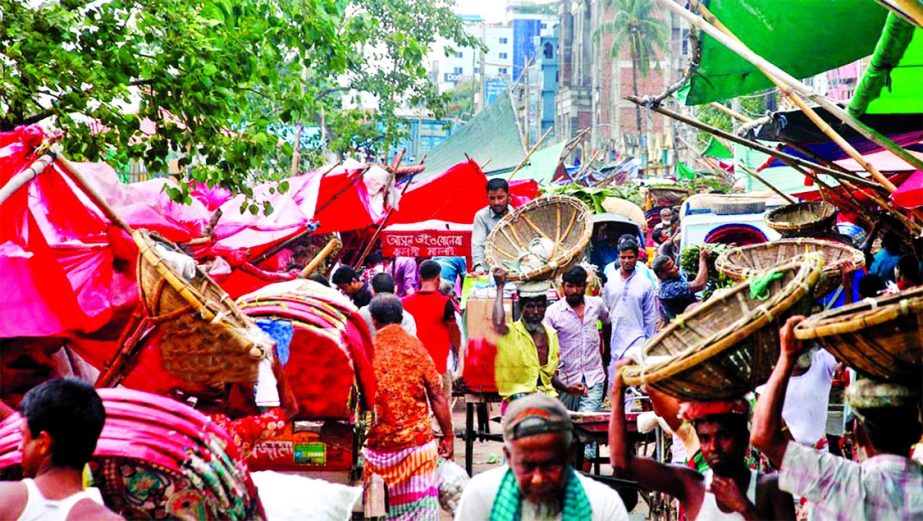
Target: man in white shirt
x,y
383,283
807,397
538,483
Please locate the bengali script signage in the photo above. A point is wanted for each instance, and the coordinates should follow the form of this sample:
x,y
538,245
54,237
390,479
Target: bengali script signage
x,y
426,243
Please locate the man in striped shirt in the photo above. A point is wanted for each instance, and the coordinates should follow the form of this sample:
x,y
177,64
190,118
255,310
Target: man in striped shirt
x,y
887,485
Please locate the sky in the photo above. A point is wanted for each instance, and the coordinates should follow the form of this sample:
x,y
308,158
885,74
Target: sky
x,y
491,10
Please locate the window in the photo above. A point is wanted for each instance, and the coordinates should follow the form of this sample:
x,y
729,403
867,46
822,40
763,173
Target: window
x,y
544,26
459,55
458,70
504,40
548,51
502,70
447,77
503,56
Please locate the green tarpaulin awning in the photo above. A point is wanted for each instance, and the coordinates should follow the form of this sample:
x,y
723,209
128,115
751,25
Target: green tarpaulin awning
x,y
492,135
542,164
893,83
716,149
802,37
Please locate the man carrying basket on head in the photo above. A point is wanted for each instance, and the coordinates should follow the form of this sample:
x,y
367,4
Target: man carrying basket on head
x,y
527,349
498,197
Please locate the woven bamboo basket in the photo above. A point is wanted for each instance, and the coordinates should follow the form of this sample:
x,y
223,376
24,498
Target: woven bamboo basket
x,y
740,263
882,337
205,338
802,217
727,346
541,239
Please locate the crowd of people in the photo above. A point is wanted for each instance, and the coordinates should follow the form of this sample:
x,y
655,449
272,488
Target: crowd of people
x,y
553,360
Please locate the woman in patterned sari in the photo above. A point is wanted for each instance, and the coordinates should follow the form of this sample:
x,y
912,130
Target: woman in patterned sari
x,y
401,447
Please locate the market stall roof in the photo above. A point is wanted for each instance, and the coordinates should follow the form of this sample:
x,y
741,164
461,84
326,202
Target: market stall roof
x,y
543,164
802,37
492,135
891,84
794,127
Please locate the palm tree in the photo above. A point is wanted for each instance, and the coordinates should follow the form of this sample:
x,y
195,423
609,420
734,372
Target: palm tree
x,y
634,24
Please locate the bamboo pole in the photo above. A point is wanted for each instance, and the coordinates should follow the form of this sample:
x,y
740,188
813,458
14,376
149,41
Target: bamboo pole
x,y
790,82
529,154
296,153
788,91
17,181
734,114
765,182
751,144
384,222
328,248
94,196
909,10
589,163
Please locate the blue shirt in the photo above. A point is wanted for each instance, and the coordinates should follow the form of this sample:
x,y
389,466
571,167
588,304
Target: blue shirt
x,y
883,265
675,296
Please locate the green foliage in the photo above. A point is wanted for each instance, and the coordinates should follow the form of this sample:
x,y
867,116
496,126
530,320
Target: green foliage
x,y
592,196
461,105
213,75
689,262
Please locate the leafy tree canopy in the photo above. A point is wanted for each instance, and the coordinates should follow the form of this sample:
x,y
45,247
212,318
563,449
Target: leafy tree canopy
x,y
214,75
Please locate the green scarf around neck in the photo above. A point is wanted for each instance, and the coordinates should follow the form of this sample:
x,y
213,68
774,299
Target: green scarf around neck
x,y
508,504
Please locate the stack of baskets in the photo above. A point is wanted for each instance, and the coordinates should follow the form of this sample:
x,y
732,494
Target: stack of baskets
x,y
740,263
801,218
882,338
205,338
728,346
540,239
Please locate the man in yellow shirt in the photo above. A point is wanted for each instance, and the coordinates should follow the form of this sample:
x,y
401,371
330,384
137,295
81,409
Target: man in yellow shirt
x,y
527,349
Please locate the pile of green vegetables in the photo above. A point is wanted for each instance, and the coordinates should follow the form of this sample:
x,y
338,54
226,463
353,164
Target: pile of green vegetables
x,y
689,262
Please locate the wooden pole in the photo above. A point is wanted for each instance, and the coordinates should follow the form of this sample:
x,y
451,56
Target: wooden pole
x,y
94,196
296,153
322,255
529,154
788,91
384,222
751,144
24,176
768,185
776,73
734,114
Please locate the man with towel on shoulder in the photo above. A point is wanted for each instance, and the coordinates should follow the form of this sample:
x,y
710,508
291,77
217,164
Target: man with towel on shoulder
x,y
527,349
537,482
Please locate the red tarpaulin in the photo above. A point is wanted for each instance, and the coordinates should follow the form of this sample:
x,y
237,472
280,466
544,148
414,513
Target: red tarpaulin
x,y
910,193
61,267
454,196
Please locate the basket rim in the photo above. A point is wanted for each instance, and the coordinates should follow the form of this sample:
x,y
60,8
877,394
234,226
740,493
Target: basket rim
x,y
860,315
147,242
584,216
784,226
726,266
806,276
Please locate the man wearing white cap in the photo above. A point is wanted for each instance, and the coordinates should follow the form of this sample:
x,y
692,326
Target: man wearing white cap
x,y
527,349
537,482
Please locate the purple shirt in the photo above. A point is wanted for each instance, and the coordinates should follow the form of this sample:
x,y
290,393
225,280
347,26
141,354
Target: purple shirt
x,y
404,272
580,358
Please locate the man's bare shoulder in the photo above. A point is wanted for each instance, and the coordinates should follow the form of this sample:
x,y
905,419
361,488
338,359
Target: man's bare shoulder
x,y
88,509
13,496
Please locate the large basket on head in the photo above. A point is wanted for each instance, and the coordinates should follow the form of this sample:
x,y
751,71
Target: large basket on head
x,y
540,239
741,263
205,338
882,337
726,347
802,217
